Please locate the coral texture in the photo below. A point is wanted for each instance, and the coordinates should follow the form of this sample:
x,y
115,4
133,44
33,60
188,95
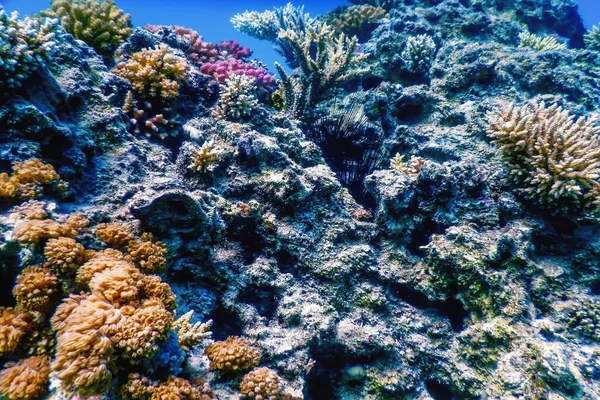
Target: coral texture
x,y
262,384
231,355
36,289
25,380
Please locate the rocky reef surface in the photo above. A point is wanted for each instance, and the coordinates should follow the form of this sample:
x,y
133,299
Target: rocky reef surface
x,y
370,240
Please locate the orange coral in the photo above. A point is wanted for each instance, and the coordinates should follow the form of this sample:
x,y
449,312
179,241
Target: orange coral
x,y
148,255
153,286
262,384
105,259
34,231
9,186
139,387
25,380
13,327
27,179
32,209
119,285
232,354
36,289
64,256
114,235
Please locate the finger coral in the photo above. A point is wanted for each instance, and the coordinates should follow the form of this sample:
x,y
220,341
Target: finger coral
x,y
64,255
147,254
154,73
26,45
537,43
231,355
13,328
237,98
25,380
37,289
552,158
419,53
262,384
99,23
115,235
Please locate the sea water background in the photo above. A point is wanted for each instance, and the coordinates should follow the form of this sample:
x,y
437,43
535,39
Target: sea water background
x,y
211,17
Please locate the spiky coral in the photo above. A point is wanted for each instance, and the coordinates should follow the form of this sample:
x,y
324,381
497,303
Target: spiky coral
x,y
538,43
25,45
189,335
592,38
25,380
324,58
552,158
237,98
99,23
154,73
353,20
231,355
418,54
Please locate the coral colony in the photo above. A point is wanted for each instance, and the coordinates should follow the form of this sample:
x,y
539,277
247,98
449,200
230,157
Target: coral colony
x,y
408,209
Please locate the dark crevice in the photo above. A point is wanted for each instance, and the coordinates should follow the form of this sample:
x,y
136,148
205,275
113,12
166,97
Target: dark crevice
x,y
329,362
225,323
452,308
422,236
439,391
263,299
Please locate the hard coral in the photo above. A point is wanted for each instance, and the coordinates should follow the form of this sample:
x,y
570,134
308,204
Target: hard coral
x,y
25,380
537,43
14,325
64,255
139,387
26,45
237,98
224,69
262,384
37,289
34,231
99,23
552,158
115,235
190,335
147,254
27,179
232,355
154,73
355,19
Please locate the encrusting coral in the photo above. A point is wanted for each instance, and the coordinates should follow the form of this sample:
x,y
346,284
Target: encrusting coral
x,y
25,380
552,158
99,23
232,355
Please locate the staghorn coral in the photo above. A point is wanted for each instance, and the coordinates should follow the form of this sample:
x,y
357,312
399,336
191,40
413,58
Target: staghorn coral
x,y
237,98
418,54
25,380
412,167
34,231
232,355
154,73
551,157
99,23
147,254
114,235
355,19
190,335
325,60
64,256
37,289
537,43
26,45
205,158
263,25
14,325
262,384
592,38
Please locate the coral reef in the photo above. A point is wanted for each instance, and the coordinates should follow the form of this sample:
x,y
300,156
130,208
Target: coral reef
x,y
99,23
231,355
537,43
25,380
355,19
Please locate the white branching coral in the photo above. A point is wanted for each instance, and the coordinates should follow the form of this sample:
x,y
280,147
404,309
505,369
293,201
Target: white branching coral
x,y
237,98
538,43
266,25
592,38
24,46
205,159
419,53
188,334
552,158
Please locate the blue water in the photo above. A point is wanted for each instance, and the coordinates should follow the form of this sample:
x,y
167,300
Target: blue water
x,y
211,17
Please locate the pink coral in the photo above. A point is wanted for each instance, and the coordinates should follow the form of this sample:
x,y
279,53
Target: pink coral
x,y
224,69
232,49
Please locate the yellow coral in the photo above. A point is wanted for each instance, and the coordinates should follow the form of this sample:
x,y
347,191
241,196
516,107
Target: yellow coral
x,y
32,209
153,286
13,328
154,72
139,387
262,384
64,256
190,335
25,380
147,254
232,354
115,235
34,231
119,285
105,259
142,329
9,186
99,23
27,179
36,289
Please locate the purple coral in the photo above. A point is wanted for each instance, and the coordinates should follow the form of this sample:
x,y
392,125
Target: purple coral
x,y
199,52
232,49
223,69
